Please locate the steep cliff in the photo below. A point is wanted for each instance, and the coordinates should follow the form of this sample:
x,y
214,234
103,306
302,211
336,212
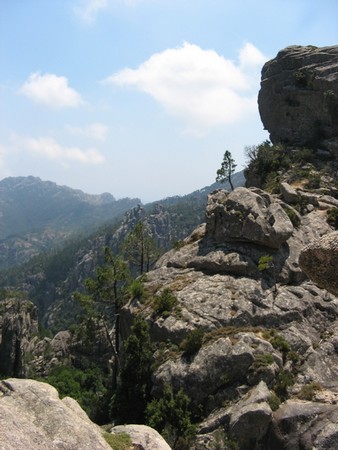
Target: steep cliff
x,y
298,99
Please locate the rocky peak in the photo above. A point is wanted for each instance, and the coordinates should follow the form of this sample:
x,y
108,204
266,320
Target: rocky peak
x,y
298,99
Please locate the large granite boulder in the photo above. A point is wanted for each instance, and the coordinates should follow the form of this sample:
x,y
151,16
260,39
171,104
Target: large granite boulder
x,y
319,260
247,215
298,99
32,417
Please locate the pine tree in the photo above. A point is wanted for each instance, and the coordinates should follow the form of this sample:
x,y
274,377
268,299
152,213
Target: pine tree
x,y
227,169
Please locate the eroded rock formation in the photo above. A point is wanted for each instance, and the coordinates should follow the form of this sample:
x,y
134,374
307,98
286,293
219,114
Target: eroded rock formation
x,y
319,260
298,99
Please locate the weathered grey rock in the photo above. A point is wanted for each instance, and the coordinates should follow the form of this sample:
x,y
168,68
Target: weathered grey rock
x,y
247,215
142,437
32,417
304,425
18,323
289,194
319,260
251,417
298,99
217,364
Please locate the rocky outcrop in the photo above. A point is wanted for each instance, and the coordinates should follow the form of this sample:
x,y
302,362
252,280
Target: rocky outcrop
x,y
142,437
18,324
247,215
298,99
304,425
319,260
34,418
265,327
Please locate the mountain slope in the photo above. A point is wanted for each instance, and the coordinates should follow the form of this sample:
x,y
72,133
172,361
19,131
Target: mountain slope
x,y
36,214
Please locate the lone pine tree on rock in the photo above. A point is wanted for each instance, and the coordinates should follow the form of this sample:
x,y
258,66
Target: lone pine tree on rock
x,y
227,169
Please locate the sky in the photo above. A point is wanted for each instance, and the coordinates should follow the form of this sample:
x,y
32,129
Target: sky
x,y
140,98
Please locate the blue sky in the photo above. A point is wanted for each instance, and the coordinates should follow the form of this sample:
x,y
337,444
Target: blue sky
x,y
140,98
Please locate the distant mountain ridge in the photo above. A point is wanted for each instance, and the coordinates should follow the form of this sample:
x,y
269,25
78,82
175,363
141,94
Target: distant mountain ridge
x,y
36,214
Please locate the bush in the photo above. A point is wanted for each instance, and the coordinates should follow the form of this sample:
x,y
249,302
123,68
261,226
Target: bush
x,y
293,216
137,289
265,263
274,402
313,181
164,303
266,159
332,217
261,361
283,381
193,342
308,391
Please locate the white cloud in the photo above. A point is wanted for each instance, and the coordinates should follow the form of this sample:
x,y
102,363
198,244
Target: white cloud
x,y
89,9
97,131
50,149
199,86
51,90
251,57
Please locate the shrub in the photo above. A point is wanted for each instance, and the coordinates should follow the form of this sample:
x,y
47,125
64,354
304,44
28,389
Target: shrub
x,y
308,391
332,217
193,342
313,182
137,289
265,263
283,381
274,402
261,361
164,303
293,216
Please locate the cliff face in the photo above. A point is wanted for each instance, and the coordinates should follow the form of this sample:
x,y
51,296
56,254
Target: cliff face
x,y
18,324
298,99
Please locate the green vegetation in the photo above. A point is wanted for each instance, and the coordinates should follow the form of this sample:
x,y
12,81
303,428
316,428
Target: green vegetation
x,y
227,169
192,342
118,441
292,214
261,361
133,391
332,217
165,303
308,391
170,415
274,402
88,386
266,160
140,249
283,380
265,262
